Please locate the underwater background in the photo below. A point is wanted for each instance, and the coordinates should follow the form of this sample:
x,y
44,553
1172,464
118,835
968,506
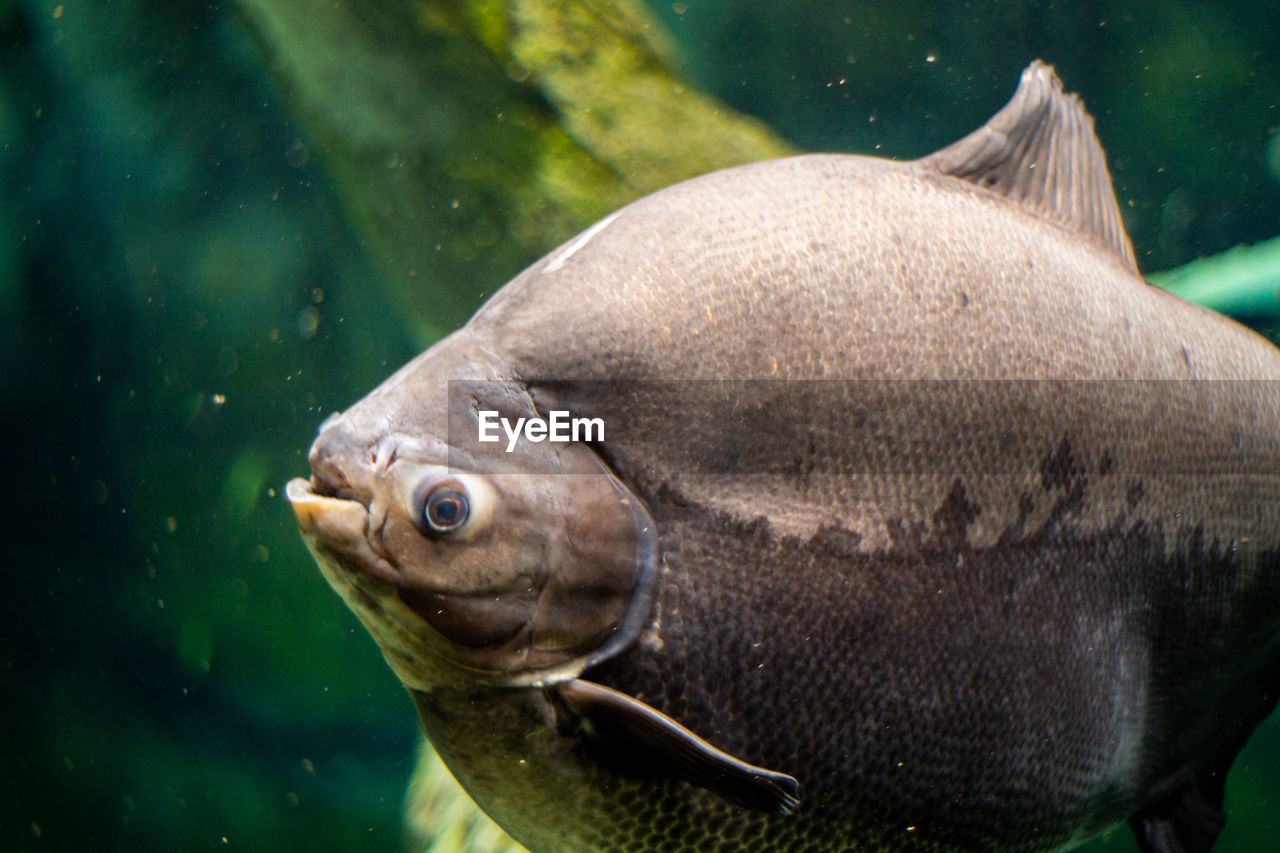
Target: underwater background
x,y
219,223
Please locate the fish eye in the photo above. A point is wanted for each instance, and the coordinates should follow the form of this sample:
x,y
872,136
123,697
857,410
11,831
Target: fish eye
x,y
445,509
441,503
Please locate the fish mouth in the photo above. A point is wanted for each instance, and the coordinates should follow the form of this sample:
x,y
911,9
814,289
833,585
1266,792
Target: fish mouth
x,y
318,495
327,481
335,523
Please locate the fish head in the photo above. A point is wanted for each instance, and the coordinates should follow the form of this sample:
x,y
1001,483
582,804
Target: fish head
x,y
512,563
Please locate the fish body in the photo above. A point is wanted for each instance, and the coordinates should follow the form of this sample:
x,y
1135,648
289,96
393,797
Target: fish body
x,y
919,521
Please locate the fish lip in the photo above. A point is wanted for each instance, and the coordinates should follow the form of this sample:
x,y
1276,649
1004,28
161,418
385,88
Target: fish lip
x,y
328,481
340,525
320,488
307,495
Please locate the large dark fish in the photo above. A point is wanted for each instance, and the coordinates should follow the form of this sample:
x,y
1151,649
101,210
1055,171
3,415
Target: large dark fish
x,y
919,521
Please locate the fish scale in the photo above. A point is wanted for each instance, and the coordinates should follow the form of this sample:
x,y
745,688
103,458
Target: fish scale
x,y
919,522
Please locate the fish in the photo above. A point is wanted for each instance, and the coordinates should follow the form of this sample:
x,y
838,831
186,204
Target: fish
x,y
915,519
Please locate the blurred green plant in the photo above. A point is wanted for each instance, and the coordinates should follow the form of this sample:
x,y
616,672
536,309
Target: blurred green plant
x,y
467,138
1242,282
441,818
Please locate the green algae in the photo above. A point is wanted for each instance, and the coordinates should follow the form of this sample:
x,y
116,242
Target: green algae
x,y
467,138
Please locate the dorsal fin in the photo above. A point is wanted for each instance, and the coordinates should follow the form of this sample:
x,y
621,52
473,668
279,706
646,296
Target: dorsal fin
x,y
1041,152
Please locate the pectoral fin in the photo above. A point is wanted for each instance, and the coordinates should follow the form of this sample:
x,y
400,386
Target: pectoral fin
x,y
1187,821
653,738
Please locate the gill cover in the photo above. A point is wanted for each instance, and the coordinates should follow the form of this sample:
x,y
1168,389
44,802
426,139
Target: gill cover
x,y
543,571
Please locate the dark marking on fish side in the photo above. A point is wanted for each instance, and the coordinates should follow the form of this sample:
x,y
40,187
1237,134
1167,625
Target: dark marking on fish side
x,y
952,518
1059,470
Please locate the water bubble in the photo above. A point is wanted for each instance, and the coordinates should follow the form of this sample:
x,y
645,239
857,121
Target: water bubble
x,y
308,323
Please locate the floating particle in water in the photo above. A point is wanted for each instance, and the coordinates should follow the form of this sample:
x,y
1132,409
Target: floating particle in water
x,y
297,154
308,323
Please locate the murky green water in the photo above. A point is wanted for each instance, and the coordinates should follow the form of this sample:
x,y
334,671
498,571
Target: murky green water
x,y
184,297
